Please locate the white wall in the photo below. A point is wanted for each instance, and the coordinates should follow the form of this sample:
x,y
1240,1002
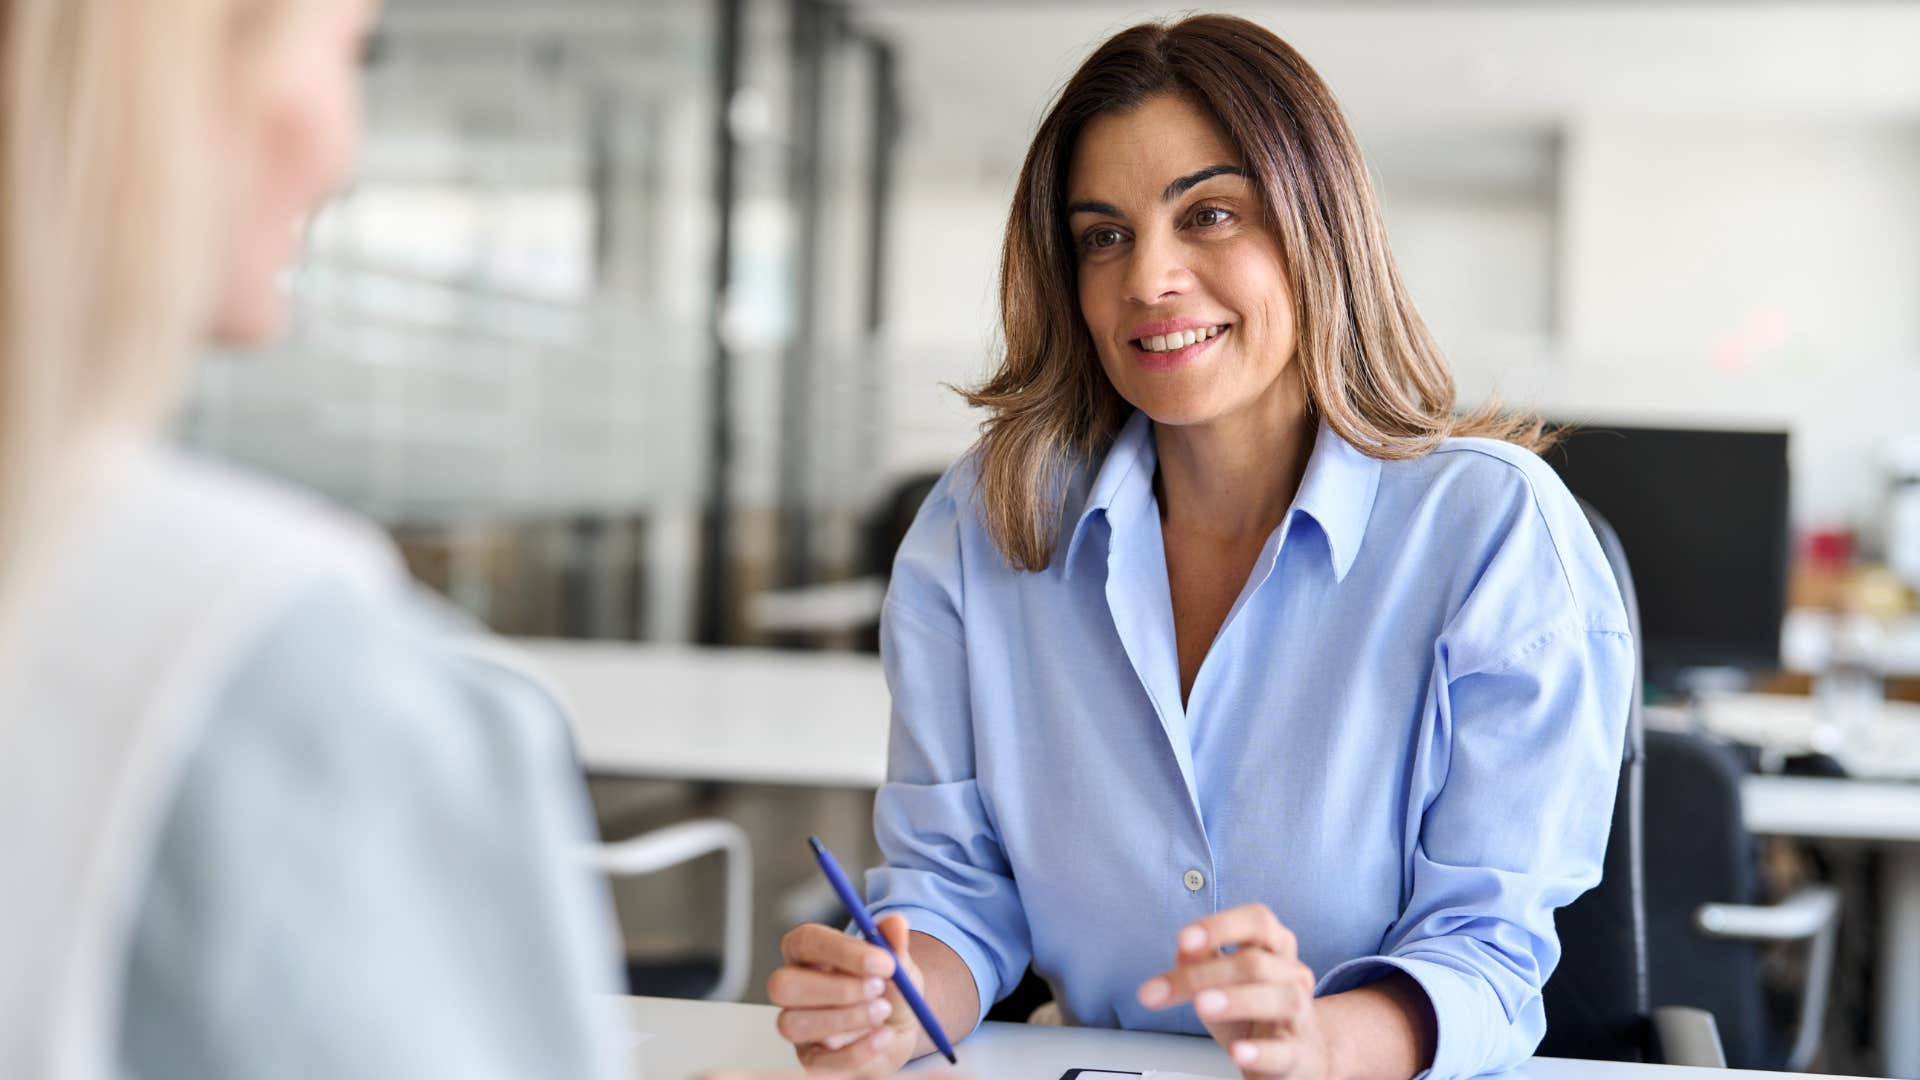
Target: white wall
x,y
1744,268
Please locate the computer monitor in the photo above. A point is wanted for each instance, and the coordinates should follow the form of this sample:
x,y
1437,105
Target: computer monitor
x,y
1703,517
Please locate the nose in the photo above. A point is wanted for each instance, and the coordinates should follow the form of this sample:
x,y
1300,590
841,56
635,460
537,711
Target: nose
x,y
1156,270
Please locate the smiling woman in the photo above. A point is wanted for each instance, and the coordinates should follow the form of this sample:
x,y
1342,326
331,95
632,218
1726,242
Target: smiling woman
x,y
1238,687
1240,103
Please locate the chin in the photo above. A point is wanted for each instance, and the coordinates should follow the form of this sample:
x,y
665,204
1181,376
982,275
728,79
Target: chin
x,y
1175,401
1170,411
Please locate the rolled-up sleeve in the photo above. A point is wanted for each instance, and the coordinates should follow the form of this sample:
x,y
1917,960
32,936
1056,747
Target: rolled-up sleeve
x,y
945,868
1528,747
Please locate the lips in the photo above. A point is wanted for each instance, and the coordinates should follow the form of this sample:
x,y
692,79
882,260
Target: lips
x,y
1195,341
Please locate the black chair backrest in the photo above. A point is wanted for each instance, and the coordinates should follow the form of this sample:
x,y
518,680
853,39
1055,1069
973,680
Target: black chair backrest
x,y
1698,852
1597,1000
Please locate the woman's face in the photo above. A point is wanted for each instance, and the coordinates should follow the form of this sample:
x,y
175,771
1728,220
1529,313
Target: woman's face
x,y
296,118
1181,285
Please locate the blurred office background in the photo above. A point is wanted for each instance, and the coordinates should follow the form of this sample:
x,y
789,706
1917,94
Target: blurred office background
x,y
637,322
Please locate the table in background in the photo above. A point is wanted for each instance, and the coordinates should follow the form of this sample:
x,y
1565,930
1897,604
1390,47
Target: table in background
x,y
732,715
688,1037
1886,815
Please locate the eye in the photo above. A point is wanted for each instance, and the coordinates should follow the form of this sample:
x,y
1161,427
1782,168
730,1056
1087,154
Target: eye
x,y
1101,238
1208,216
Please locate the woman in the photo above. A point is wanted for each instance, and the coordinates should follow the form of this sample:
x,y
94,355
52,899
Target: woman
x,y
259,815
1239,685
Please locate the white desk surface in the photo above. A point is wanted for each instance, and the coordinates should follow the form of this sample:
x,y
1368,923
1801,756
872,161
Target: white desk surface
x,y
1885,747
690,1037
734,715
1832,808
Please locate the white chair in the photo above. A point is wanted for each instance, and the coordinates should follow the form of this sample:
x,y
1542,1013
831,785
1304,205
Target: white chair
x,y
688,840
660,848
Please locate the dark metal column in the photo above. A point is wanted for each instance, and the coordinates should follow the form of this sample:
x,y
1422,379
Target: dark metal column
x,y
811,30
880,174
715,592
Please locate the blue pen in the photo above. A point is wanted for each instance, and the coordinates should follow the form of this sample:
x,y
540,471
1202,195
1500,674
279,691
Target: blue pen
x,y
838,879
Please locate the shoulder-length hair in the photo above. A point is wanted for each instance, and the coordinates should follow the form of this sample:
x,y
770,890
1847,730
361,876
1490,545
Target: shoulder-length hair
x,y
113,200
1372,370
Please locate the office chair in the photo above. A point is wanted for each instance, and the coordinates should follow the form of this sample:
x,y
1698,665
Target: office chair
x,y
699,976
1705,922
1598,1001
724,979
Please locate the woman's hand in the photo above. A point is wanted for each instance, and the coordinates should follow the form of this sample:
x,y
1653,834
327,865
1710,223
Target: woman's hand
x,y
838,1005
1256,1001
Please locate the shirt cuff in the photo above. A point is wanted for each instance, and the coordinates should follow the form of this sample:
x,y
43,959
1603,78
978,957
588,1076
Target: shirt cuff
x,y
1466,1035
948,933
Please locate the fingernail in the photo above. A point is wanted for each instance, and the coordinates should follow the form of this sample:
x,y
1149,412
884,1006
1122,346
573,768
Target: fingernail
x,y
1156,991
879,963
1245,1054
1210,1002
1192,938
879,1010
875,987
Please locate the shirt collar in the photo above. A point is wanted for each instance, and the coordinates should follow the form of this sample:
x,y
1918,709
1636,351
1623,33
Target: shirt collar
x,y
1337,491
1125,476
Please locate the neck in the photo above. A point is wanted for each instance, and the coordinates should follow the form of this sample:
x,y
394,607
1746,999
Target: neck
x,y
1235,477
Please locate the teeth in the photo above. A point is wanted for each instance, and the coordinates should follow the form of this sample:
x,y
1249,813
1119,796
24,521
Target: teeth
x,y
1170,342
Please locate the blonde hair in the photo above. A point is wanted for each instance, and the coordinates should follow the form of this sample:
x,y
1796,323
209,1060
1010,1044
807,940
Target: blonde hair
x,y
1372,371
113,203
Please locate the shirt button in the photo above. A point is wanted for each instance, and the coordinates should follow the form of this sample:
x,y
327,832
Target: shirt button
x,y
1195,880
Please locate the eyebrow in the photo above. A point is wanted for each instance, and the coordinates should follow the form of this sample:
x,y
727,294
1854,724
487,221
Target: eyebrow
x,y
1174,190
1188,182
1086,206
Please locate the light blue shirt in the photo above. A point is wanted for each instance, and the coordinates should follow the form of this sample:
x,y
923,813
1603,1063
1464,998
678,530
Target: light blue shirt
x,y
1405,739
374,869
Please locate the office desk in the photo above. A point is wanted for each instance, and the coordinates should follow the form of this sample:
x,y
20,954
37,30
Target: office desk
x,y
1888,816
689,1037
750,716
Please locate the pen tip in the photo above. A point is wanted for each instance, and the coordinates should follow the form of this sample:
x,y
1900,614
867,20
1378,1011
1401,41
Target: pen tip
x,y
814,843
952,1059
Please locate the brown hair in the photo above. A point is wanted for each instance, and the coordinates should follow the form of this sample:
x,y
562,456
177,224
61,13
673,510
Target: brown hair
x,y
1372,370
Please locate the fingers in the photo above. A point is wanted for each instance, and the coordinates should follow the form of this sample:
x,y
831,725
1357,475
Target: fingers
x,y
1263,1002
1266,1055
850,1058
1247,926
798,987
818,1025
894,928
1244,968
826,949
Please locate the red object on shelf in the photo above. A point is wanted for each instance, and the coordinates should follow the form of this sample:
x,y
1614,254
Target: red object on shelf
x,y
1828,549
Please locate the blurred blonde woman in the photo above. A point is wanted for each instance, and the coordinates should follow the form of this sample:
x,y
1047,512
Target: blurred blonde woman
x,y
257,816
